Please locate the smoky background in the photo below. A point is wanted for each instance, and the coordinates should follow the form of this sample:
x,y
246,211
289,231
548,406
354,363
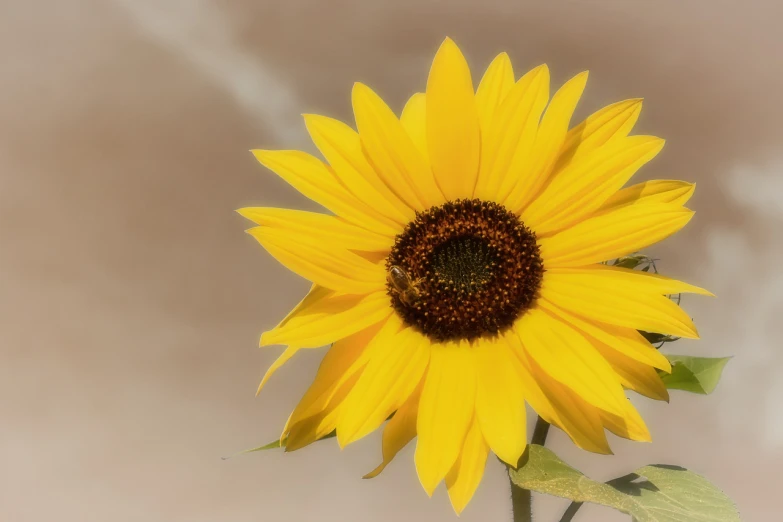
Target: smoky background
x,y
131,301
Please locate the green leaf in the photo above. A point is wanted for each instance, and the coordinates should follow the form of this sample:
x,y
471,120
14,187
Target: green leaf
x,y
672,493
656,338
277,444
694,374
633,261
271,445
656,493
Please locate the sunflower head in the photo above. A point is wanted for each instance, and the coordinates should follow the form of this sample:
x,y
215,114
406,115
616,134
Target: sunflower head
x,y
459,275
471,268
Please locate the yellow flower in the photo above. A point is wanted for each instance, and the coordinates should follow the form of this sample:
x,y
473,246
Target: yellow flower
x,y
460,273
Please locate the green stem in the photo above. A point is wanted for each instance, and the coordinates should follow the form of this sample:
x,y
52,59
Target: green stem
x,y
521,504
568,516
521,499
540,432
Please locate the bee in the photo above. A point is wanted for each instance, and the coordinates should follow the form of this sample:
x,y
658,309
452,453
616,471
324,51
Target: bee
x,y
402,284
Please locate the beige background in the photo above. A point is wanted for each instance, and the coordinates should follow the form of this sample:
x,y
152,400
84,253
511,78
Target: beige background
x,y
131,300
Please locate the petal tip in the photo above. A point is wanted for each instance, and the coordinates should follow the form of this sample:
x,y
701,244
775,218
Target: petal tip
x,y
260,153
458,507
428,483
692,332
655,143
374,473
344,438
359,90
267,339
448,59
582,77
448,42
511,458
310,118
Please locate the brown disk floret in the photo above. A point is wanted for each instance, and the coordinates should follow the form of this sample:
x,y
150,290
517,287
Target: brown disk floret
x,y
472,268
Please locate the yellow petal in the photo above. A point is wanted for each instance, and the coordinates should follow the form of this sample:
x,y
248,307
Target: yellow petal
x,y
414,120
327,264
445,410
321,424
344,359
630,425
500,401
399,431
655,191
453,134
284,433
530,388
315,295
392,152
580,420
633,308
549,140
492,90
557,404
634,280
613,234
330,319
333,229
570,359
314,180
289,352
612,122
466,473
626,341
395,367
511,136
583,186
342,148
327,400
634,375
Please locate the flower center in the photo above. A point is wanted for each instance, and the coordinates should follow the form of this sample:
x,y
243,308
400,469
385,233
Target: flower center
x,y
462,270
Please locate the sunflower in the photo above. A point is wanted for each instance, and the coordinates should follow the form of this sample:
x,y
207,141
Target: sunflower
x,y
460,272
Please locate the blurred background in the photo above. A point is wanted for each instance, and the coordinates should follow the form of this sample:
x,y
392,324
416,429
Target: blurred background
x,y
131,301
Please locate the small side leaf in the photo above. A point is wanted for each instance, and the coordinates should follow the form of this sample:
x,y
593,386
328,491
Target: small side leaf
x,y
694,374
277,443
656,338
665,494
635,261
